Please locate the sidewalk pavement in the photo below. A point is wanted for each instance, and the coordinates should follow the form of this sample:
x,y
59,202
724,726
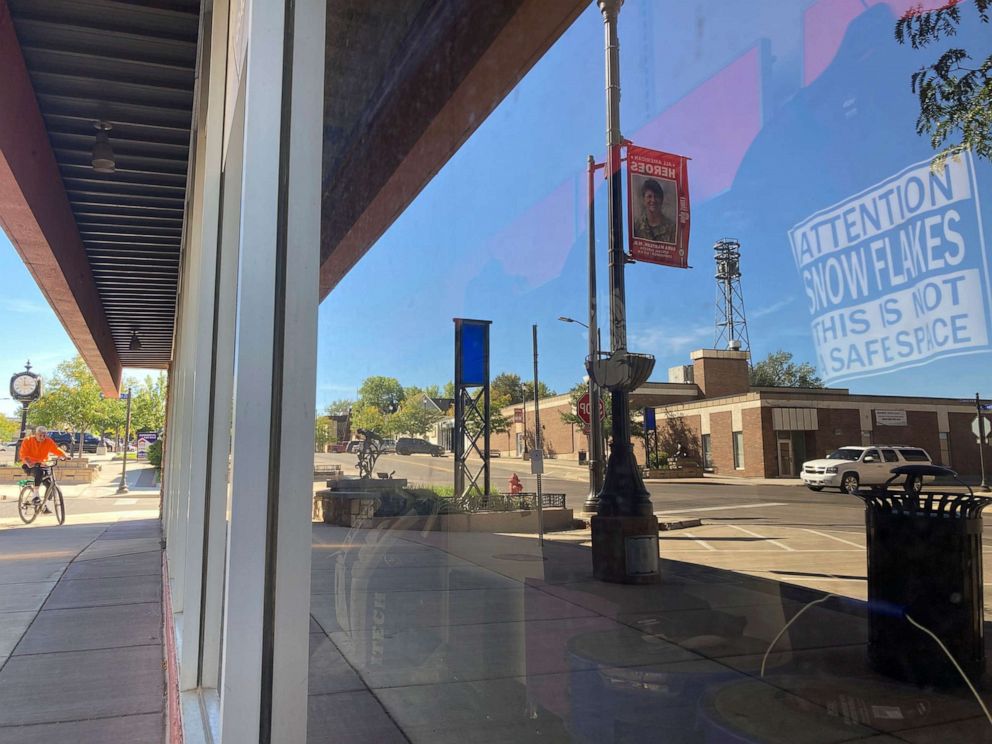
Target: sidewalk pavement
x,y
456,637
81,656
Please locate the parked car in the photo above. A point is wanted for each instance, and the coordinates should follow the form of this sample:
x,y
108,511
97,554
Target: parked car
x,y
339,447
70,442
850,467
354,445
388,445
410,446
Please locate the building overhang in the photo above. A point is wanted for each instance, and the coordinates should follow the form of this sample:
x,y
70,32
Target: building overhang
x,y
105,248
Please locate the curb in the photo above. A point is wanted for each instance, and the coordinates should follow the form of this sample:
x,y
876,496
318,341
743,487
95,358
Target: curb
x,y
679,524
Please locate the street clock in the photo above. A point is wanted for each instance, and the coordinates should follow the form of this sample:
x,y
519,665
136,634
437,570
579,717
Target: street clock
x,y
25,387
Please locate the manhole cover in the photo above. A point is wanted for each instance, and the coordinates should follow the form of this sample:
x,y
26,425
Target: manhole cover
x,y
519,557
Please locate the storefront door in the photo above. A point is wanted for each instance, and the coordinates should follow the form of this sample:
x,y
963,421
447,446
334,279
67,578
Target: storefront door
x,y
786,466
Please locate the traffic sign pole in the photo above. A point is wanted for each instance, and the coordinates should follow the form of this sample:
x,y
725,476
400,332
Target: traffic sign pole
x,y
981,441
122,488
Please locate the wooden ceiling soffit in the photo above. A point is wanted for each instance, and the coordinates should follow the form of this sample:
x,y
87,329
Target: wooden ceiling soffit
x,y
439,97
35,214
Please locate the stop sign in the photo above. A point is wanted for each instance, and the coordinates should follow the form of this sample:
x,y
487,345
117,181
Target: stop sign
x,y
584,409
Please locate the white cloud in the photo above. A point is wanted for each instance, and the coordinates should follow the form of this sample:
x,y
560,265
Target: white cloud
x,y
669,339
775,307
23,307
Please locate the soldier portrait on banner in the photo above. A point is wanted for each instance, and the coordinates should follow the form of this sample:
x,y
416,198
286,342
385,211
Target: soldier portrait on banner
x,y
657,207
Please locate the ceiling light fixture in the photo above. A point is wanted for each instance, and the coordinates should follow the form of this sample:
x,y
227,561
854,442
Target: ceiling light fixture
x,y
135,344
103,154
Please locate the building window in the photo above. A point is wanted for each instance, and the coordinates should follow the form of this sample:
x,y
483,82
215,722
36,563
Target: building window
x,y
739,450
707,452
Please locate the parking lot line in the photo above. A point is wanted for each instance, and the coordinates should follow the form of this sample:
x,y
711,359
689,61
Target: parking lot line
x,y
719,508
697,540
832,537
776,543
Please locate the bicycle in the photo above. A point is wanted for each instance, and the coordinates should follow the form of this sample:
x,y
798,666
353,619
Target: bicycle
x,y
27,510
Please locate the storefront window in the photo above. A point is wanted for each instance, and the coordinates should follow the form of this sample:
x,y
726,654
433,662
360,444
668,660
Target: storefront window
x,y
444,616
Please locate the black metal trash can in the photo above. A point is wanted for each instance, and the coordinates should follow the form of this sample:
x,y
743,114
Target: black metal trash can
x,y
924,563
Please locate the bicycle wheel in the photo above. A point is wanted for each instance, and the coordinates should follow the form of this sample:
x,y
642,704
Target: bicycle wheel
x,y
26,509
58,503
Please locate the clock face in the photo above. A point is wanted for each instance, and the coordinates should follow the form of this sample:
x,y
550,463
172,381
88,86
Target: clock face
x,y
25,384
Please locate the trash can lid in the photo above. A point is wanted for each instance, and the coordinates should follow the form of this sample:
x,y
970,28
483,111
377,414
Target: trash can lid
x,y
924,470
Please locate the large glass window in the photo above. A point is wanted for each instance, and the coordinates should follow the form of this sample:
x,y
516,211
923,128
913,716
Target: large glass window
x,y
444,616
738,444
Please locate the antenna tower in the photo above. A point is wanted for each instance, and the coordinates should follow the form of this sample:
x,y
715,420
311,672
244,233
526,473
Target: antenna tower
x,y
731,322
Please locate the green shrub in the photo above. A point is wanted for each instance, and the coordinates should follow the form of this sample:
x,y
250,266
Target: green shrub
x,y
155,453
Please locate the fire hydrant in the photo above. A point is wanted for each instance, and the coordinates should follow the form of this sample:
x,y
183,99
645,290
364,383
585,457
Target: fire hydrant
x,y
515,485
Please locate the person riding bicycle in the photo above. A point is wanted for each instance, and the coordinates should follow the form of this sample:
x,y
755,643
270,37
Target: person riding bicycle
x,y
35,450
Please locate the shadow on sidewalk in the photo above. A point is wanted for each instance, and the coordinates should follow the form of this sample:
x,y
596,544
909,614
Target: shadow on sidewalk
x,y
481,637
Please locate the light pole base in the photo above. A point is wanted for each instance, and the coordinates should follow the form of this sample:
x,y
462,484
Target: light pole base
x,y
625,549
122,489
984,487
591,505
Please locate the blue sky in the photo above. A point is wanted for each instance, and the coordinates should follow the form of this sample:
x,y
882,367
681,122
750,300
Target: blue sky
x,y
500,232
786,108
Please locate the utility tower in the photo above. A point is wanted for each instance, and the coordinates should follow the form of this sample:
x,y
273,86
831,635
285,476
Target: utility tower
x,y
731,322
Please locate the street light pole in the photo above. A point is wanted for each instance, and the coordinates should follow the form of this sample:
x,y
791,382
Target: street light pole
x,y
981,441
595,423
623,493
127,428
595,432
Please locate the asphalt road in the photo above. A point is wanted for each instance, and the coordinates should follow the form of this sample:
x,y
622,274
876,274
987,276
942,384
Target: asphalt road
x,y
759,503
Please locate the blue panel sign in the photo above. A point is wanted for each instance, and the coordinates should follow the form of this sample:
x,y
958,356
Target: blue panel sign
x,y
649,421
897,275
474,353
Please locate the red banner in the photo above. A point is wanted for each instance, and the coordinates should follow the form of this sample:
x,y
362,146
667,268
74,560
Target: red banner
x,y
658,207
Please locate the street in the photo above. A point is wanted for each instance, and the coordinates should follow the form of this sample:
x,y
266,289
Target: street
x,y
785,505
782,532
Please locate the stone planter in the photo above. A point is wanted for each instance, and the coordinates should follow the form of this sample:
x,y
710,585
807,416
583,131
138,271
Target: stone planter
x,y
357,510
672,473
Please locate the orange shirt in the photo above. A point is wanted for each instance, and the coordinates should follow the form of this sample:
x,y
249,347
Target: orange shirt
x,y
33,451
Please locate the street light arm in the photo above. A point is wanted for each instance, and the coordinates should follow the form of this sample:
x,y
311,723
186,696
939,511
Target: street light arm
x,y
565,319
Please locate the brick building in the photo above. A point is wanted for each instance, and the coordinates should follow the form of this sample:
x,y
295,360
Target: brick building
x,y
710,409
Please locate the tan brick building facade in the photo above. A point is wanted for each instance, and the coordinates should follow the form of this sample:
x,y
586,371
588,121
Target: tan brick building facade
x,y
775,429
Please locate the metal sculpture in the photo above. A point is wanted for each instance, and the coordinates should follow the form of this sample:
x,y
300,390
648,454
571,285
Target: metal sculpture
x,y
368,453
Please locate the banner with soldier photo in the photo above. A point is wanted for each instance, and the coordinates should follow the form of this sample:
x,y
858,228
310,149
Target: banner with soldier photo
x,y
658,207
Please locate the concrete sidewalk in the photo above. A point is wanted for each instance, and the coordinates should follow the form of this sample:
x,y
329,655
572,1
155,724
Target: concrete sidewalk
x,y
456,637
81,633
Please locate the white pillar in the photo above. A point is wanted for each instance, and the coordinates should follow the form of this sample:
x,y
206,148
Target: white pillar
x,y
209,139
266,616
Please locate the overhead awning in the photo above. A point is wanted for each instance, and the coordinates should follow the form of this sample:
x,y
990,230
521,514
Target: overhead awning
x,y
406,83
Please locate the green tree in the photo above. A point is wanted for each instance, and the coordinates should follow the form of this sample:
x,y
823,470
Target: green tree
x,y
543,391
364,416
10,429
381,393
72,399
417,415
323,433
449,389
955,92
508,387
778,370
148,404
339,407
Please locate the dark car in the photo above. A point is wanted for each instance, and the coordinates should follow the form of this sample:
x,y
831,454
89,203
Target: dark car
x,y
70,442
410,446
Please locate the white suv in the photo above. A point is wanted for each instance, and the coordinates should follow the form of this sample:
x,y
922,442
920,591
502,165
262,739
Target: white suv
x,y
850,467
